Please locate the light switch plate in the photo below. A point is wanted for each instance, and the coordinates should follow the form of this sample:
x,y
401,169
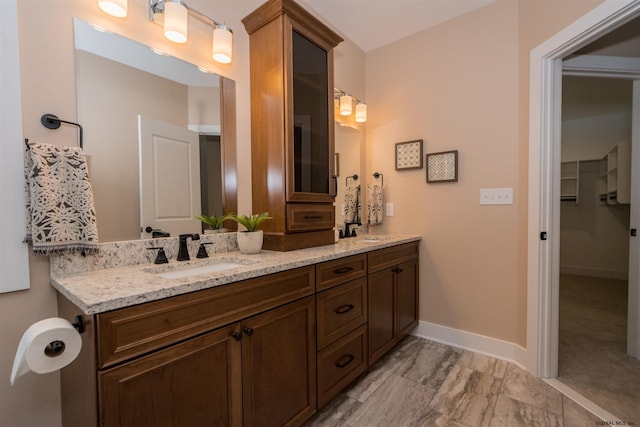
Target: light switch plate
x,y
390,209
496,196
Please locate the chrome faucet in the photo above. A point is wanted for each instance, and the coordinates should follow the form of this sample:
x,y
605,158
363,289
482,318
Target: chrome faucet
x,y
183,249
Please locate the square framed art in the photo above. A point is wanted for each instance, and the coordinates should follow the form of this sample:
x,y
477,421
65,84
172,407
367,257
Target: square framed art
x,y
442,167
409,155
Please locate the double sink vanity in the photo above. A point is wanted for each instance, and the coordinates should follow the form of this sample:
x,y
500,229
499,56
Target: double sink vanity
x,y
233,339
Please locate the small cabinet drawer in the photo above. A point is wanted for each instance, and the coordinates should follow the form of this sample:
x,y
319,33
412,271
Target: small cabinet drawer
x,y
332,273
310,217
389,257
340,310
340,363
137,330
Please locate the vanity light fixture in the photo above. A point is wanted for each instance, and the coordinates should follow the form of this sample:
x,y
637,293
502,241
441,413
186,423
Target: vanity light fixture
x,y
361,112
174,16
117,8
345,104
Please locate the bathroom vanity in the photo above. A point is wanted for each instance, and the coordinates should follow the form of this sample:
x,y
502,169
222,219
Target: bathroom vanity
x,y
266,341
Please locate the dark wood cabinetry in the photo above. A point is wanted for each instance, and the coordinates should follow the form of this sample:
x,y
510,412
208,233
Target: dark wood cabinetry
x,y
279,366
267,351
292,131
195,383
393,297
341,323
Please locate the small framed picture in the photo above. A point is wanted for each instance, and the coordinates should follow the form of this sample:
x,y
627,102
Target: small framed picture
x,y
409,155
442,167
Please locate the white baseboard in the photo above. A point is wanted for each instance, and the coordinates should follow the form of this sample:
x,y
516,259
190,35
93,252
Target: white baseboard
x,y
593,272
493,347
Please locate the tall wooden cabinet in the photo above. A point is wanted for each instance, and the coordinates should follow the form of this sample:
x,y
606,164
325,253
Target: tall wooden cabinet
x,y
292,130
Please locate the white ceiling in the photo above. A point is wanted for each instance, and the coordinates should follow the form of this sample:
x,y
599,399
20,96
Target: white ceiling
x,y
374,23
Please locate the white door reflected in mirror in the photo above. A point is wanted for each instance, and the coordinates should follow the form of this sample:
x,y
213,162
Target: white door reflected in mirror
x,y
169,177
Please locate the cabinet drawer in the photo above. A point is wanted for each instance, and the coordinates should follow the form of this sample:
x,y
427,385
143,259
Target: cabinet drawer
x,y
340,310
332,273
341,363
310,217
388,257
136,330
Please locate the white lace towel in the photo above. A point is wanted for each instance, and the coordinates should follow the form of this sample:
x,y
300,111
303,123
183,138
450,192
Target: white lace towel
x,y
374,204
352,204
60,210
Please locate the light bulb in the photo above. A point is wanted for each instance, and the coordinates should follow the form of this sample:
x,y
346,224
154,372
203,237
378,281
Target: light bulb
x,y
346,105
117,8
222,44
361,112
176,21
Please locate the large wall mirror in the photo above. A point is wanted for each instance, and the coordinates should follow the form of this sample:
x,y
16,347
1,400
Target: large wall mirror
x,y
159,135
347,147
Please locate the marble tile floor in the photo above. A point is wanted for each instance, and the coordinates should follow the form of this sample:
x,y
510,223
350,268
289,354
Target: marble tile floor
x,y
424,383
592,357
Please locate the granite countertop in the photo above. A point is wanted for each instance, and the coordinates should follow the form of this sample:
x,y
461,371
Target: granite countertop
x,y
112,288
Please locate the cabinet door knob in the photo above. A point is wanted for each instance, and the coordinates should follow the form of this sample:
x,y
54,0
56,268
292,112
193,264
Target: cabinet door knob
x,y
248,331
344,309
237,335
345,360
397,270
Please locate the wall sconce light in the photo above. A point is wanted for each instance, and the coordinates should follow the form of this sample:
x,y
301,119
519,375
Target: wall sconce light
x,y
361,112
176,21
117,8
345,105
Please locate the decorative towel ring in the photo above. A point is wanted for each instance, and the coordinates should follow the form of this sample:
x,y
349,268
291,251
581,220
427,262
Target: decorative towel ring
x,y
51,121
354,177
377,175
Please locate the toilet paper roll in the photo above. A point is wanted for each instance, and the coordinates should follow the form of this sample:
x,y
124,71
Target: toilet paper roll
x,y
48,345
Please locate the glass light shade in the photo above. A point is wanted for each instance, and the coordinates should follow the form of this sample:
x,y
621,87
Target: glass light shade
x,y
222,44
346,105
361,112
117,8
176,21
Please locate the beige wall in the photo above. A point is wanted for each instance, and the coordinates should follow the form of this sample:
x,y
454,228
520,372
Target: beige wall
x,y
464,85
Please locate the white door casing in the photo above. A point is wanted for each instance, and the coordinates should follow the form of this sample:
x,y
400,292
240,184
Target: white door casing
x,y
633,310
544,161
169,177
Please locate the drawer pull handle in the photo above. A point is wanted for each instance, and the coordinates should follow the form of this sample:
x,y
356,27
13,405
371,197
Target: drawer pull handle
x,y
345,360
313,217
237,335
343,270
344,309
248,331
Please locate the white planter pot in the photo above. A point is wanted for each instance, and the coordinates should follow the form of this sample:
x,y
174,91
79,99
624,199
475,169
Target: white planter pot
x,y
250,243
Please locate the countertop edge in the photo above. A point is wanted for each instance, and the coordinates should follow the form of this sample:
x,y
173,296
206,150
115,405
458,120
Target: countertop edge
x,y
81,289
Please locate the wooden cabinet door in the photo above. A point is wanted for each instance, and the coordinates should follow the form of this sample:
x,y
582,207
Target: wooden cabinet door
x,y
195,383
382,317
407,296
279,365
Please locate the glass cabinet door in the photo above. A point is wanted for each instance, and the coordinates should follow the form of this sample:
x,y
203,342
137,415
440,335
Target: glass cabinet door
x,y
311,144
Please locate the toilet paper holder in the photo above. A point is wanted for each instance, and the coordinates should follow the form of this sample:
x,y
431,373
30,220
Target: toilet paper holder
x,y
79,324
56,348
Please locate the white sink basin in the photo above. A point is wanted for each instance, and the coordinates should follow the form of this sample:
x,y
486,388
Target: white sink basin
x,y
212,266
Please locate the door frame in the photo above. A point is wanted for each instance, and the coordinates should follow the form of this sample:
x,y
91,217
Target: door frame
x,y
544,171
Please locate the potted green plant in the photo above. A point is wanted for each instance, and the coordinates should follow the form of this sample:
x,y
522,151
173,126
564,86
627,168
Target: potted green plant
x,y
215,223
250,240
